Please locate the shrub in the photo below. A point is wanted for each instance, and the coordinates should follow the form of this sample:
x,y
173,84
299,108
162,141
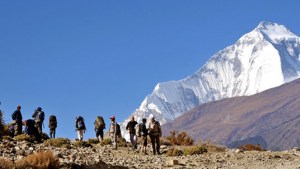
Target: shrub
x,y
58,142
212,147
194,150
6,164
251,147
106,141
82,144
180,139
24,137
93,141
7,138
40,160
174,152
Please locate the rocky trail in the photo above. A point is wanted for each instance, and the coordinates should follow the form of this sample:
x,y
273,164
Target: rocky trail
x,y
99,156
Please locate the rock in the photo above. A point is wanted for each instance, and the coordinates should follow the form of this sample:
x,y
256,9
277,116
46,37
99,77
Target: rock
x,y
173,162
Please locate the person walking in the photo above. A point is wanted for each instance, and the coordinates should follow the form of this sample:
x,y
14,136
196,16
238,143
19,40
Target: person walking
x,y
17,121
80,127
113,132
155,133
132,131
39,117
142,134
52,126
99,127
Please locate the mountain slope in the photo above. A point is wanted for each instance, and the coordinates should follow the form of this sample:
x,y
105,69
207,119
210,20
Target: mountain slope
x,y
270,118
265,58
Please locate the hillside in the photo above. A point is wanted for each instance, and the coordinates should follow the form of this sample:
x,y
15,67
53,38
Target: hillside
x,y
270,118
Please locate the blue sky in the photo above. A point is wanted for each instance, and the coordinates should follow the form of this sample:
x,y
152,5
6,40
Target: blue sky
x,y
95,57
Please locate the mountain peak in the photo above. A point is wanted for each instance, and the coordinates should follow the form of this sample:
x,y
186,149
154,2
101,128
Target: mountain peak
x,y
275,32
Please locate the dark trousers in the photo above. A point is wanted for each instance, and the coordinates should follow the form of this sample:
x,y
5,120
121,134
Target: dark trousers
x,y
99,132
155,140
52,133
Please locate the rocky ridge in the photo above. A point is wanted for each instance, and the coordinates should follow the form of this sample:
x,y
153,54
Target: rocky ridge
x,y
104,157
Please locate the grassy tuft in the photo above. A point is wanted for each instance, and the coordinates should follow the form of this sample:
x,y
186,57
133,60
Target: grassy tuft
x,y
106,141
82,144
24,137
40,160
58,142
174,152
194,150
93,141
6,164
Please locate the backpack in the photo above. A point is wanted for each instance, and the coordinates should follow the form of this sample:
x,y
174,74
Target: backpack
x,y
40,116
52,122
99,123
30,127
118,129
80,123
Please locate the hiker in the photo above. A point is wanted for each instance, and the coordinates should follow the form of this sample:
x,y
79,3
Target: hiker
x,y
80,127
31,129
155,133
39,117
17,121
99,127
132,132
113,132
52,126
142,134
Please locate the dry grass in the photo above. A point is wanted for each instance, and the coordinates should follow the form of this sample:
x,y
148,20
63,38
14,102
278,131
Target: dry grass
x,y
174,152
6,164
192,150
121,142
40,160
106,141
251,147
82,144
58,142
93,141
24,137
180,138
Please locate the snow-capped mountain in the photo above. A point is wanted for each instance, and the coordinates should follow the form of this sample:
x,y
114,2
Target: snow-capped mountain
x,y
266,57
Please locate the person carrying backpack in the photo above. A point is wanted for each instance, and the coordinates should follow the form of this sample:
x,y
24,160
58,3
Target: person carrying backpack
x,y
39,117
155,133
31,129
114,131
52,126
99,127
142,134
132,132
80,127
17,121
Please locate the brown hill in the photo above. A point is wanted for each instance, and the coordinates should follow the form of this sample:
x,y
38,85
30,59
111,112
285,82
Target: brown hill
x,y
270,118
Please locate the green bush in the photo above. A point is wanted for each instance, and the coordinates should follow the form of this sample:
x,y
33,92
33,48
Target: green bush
x,y
106,141
24,137
180,139
174,152
82,144
194,150
58,142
